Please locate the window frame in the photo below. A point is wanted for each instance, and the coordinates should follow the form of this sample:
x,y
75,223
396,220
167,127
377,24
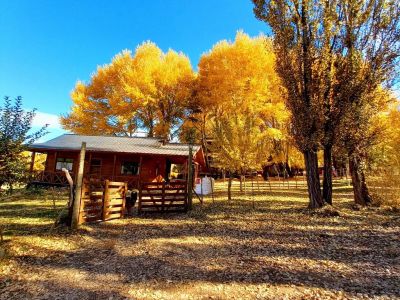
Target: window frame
x,y
64,163
131,162
182,172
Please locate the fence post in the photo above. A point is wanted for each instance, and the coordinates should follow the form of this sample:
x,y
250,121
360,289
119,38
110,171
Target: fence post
x,y
124,200
190,177
140,198
163,195
78,189
105,199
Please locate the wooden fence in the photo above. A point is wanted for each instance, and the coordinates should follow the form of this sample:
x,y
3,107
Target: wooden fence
x,y
162,196
102,200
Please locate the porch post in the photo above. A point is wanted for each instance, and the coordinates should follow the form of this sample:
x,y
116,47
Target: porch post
x,y
190,178
78,188
140,170
88,174
113,171
53,173
32,161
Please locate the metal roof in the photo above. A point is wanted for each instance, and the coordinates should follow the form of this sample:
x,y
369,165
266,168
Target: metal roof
x,y
140,145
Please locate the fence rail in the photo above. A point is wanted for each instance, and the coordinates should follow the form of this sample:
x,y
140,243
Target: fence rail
x,y
102,200
162,196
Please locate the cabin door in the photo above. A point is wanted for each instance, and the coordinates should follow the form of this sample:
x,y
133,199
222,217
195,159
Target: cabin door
x,y
95,167
167,169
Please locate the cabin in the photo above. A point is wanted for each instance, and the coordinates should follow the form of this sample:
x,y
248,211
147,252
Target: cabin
x,y
126,159
154,170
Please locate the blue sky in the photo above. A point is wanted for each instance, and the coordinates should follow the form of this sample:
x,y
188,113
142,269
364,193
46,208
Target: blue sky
x,y
46,45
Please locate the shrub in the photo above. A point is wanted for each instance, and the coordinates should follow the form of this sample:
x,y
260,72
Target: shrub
x,y
385,189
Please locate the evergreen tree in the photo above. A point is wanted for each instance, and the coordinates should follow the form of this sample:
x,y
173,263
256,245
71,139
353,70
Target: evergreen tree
x,y
15,136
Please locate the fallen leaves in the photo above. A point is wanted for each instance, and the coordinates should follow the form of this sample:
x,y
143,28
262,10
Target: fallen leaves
x,y
225,250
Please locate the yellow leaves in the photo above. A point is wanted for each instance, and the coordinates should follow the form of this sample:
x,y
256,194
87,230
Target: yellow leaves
x,y
241,94
150,87
386,126
238,74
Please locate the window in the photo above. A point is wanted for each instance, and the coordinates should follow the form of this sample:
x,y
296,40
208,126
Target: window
x,y
66,163
130,168
95,166
177,171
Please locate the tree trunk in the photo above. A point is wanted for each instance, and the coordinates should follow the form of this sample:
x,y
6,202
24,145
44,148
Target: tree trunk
x,y
314,186
327,182
360,188
241,182
230,186
10,188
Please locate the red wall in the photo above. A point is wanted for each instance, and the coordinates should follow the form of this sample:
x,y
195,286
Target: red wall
x,y
151,167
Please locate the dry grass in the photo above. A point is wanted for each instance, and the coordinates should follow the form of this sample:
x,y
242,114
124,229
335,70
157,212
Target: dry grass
x,y
221,250
386,190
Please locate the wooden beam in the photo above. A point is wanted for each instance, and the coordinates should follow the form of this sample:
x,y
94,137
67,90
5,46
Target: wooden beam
x,y
190,178
78,188
90,164
113,171
140,170
106,199
55,161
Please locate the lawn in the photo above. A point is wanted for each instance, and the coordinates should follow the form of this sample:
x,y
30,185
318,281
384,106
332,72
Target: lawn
x,y
221,250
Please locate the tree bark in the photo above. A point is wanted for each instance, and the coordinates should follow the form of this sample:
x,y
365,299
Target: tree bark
x,y
314,186
78,188
327,181
230,186
360,187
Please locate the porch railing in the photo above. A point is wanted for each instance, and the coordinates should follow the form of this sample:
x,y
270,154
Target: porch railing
x,y
57,178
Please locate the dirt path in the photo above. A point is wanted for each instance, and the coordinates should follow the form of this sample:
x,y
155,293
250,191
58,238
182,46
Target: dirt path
x,y
218,251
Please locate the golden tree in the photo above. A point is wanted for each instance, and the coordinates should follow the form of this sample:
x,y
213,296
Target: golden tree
x,y
148,90
241,102
102,106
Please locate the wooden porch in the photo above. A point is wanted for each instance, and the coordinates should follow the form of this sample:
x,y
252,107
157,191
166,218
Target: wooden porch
x,y
47,178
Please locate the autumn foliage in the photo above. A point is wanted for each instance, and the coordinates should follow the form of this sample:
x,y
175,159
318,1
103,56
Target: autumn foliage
x,y
298,99
242,101
148,90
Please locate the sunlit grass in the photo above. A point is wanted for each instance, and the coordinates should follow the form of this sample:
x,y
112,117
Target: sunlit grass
x,y
263,244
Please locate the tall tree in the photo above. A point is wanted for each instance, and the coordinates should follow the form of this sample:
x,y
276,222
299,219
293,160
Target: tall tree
x,y
361,130
297,46
15,136
346,49
148,90
173,90
241,102
103,106
368,64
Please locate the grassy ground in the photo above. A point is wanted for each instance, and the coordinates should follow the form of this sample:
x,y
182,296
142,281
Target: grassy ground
x,y
274,250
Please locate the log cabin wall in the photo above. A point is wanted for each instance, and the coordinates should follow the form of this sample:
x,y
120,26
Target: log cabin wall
x,y
151,165
52,156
